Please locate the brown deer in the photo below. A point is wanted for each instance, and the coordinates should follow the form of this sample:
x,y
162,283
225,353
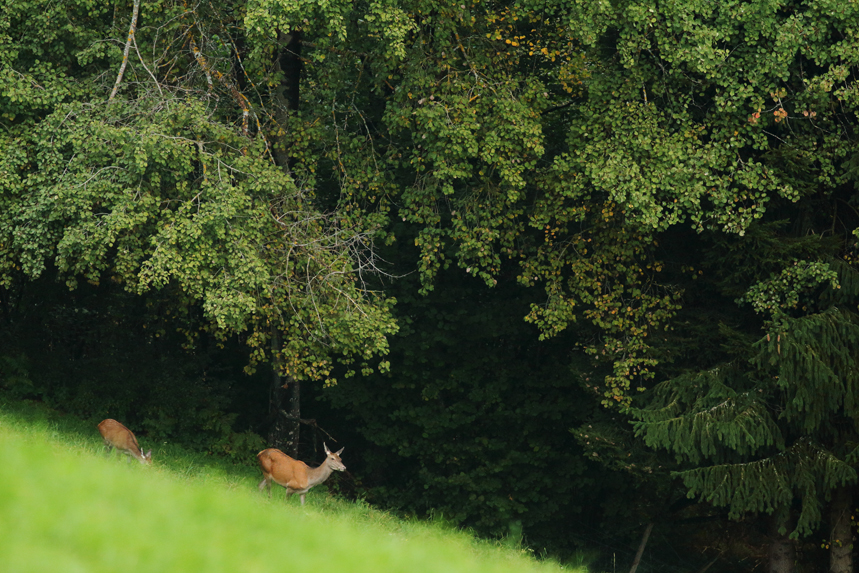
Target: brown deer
x,y
294,475
118,436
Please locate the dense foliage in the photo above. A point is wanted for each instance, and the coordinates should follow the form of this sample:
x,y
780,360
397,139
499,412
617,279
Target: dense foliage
x,y
473,421
662,196
156,188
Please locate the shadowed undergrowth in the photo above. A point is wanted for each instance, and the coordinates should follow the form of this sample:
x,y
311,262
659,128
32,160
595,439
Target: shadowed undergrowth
x,y
65,506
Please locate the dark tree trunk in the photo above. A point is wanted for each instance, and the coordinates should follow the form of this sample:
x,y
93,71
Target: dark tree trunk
x,y
288,95
278,431
284,432
782,555
841,534
291,64
294,424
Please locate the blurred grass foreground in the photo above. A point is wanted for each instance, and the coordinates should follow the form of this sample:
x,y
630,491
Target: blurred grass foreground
x,y
64,506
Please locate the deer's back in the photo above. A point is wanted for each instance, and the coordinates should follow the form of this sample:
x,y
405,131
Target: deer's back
x,y
282,467
118,435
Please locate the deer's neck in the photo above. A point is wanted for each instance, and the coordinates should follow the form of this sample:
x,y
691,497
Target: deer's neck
x,y
318,475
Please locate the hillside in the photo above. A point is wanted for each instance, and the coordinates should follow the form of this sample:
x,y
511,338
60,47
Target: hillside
x,y
63,502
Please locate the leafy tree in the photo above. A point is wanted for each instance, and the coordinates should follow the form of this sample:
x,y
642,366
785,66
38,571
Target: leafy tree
x,y
676,130
163,184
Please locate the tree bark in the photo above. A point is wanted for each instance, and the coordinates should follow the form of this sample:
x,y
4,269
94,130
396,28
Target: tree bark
x,y
285,432
128,42
294,424
287,95
278,431
782,554
641,547
841,534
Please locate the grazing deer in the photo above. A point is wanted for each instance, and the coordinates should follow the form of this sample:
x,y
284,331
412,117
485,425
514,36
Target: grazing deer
x,y
294,475
118,436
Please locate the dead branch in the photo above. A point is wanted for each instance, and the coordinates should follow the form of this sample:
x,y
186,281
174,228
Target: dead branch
x,y
128,42
307,422
641,546
198,55
145,67
241,100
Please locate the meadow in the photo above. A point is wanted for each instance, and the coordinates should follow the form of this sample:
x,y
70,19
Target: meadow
x,y
65,506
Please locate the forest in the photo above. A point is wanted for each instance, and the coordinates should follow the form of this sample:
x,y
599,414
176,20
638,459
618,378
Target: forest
x,y
579,273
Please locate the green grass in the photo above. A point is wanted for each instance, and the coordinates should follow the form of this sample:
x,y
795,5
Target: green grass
x,y
64,506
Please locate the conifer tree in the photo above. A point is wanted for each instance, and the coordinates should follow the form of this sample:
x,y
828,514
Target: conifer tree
x,y
772,428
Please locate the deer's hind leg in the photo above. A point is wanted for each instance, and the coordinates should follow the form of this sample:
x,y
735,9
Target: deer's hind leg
x,y
266,482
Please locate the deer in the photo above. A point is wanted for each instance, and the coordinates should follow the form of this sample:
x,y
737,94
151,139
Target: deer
x,y
294,475
118,436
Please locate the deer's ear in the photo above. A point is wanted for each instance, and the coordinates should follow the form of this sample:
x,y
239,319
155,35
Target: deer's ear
x,y
324,445
341,450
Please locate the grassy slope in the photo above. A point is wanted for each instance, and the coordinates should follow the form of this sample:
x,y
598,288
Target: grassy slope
x,y
65,507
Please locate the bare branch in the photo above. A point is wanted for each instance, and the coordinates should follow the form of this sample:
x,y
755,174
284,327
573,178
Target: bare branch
x,y
309,422
198,55
145,67
128,42
241,100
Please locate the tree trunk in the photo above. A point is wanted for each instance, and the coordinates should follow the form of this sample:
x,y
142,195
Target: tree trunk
x,y
284,433
641,546
291,64
841,534
294,424
287,94
278,431
782,552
